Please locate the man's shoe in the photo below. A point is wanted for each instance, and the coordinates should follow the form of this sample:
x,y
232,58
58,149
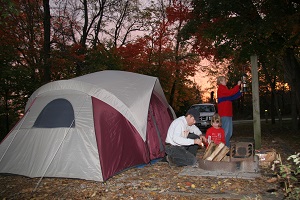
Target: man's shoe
x,y
196,165
170,161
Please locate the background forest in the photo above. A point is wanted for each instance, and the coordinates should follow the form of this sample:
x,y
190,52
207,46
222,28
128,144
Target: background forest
x,y
48,40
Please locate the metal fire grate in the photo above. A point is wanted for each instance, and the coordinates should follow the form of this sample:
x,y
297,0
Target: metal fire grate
x,y
242,159
242,150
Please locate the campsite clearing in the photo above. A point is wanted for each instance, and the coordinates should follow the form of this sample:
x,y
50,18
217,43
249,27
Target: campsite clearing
x,y
159,181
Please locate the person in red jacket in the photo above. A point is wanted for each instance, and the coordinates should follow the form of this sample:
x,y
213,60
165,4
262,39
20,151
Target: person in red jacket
x,y
225,98
215,133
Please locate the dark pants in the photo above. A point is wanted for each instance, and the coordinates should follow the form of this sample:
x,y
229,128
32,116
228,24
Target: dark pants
x,y
183,155
192,148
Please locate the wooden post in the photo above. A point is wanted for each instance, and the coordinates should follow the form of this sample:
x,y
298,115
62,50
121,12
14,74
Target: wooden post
x,y
255,101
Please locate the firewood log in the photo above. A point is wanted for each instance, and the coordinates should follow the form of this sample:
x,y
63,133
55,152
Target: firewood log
x,y
211,147
216,151
221,154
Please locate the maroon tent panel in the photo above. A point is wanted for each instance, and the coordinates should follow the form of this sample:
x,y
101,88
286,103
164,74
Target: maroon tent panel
x,y
159,119
119,144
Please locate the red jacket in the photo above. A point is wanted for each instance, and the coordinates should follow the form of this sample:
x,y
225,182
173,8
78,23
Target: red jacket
x,y
225,106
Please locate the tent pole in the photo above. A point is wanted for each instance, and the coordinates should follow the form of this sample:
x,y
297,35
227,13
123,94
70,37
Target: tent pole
x,y
161,146
37,185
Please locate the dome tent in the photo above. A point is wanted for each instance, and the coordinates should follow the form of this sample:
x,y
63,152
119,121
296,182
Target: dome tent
x,y
90,127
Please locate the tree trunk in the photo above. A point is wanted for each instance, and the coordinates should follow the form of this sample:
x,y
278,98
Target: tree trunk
x,y
294,111
82,50
274,99
172,94
292,70
272,108
46,57
4,133
275,102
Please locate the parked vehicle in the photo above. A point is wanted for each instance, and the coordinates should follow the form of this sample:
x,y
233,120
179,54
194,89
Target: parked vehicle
x,y
207,110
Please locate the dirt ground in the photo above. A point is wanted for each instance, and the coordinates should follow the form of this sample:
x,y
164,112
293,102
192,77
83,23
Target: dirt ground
x,y
159,181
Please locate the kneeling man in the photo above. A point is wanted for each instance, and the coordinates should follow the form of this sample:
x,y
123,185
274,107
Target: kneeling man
x,y
183,140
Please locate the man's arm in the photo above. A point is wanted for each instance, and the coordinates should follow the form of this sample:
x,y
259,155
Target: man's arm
x,y
178,139
194,129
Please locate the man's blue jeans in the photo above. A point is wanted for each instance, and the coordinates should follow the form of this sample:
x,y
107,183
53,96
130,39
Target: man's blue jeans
x,y
227,126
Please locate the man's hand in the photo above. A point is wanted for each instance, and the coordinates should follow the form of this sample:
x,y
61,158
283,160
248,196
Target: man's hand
x,y
203,139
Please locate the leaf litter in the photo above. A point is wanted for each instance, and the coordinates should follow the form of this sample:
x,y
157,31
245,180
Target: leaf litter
x,y
153,181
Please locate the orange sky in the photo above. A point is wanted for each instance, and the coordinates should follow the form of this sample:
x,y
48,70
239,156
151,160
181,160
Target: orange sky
x,y
203,81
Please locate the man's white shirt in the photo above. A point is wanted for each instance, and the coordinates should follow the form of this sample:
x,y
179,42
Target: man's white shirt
x,y
178,131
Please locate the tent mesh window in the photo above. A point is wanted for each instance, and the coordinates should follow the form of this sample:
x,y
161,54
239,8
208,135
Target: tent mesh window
x,y
57,113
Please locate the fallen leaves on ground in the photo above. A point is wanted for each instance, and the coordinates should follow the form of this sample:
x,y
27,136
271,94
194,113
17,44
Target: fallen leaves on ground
x,y
137,183
153,181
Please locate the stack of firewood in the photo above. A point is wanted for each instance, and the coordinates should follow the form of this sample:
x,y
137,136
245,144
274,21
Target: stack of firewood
x,y
216,152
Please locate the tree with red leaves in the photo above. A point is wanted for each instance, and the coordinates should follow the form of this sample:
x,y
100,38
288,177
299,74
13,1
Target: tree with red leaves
x,y
164,54
237,30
